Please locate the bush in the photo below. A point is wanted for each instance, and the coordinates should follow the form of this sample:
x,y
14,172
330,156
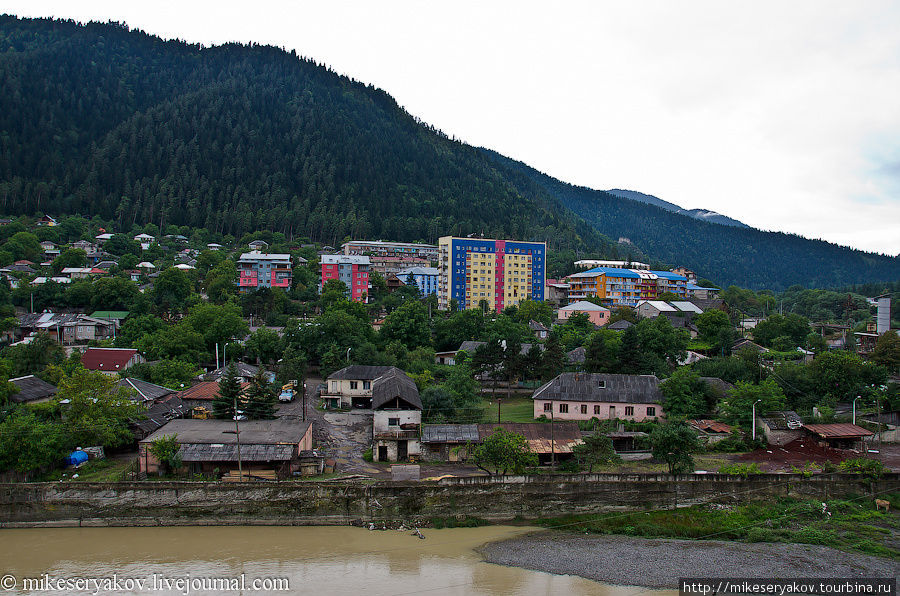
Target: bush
x,y
871,468
740,469
367,455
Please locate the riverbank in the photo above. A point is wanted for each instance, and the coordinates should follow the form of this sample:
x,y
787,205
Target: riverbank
x,y
659,563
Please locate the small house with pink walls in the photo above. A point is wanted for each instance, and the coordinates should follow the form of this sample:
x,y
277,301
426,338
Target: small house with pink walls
x,y
582,396
597,314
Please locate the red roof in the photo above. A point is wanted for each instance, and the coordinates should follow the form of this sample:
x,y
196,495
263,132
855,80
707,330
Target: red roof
x,y
23,262
206,390
710,426
838,431
106,359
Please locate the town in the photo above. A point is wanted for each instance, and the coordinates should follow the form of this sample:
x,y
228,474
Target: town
x,y
147,355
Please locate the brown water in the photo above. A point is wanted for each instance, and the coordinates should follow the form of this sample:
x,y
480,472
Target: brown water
x,y
312,560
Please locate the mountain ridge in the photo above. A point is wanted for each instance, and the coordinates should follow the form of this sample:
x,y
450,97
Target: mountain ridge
x,y
701,214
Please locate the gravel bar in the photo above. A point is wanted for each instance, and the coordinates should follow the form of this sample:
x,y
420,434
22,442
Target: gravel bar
x,y
659,563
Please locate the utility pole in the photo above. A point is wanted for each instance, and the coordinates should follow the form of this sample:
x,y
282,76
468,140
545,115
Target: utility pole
x,y
499,399
237,434
552,443
303,413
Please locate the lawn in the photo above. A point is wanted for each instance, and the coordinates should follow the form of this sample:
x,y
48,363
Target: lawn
x,y
95,470
514,409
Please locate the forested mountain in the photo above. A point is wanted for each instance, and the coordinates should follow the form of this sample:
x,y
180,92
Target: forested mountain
x,y
702,214
98,119
728,255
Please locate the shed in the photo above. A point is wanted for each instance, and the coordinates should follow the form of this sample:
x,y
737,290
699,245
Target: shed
x,y
31,390
839,436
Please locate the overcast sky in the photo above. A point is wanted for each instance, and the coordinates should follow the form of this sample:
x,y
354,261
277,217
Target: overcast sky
x,y
784,115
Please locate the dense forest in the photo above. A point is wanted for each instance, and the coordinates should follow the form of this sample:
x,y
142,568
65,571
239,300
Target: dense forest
x,y
100,119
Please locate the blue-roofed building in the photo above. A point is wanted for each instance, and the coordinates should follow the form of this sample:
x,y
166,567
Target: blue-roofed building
x,y
695,291
426,279
500,272
624,287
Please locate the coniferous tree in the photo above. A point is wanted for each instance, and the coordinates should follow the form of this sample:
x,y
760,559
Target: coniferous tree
x,y
229,394
260,403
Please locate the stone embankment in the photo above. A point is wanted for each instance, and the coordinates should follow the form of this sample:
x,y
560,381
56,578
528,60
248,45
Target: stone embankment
x,y
335,502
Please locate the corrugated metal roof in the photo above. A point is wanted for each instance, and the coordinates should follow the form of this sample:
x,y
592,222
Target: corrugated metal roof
x,y
710,426
635,389
541,438
226,452
359,372
31,388
450,433
838,431
395,383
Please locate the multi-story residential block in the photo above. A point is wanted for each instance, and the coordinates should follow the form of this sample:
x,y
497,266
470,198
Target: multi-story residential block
x,y
388,266
380,248
592,263
624,287
264,270
353,270
500,272
425,278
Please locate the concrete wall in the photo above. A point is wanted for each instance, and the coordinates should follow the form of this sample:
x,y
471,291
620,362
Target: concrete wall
x,y
308,503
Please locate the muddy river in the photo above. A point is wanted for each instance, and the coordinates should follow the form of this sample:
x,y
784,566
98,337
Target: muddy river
x,y
270,560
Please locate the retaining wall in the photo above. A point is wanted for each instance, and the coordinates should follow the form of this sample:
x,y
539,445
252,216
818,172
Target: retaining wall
x,y
330,502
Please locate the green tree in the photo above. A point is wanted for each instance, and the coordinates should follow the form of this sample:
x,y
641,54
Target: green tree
x,y
166,451
408,324
534,310
292,366
685,394
792,326
216,323
115,293
69,257
602,351
711,323
738,405
171,290
264,345
841,376
438,405
175,342
98,411
887,351
24,245
595,450
259,398
228,395
553,359
29,444
504,452
673,444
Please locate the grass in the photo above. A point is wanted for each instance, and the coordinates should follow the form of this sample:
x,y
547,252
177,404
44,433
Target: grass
x,y
854,525
708,461
513,409
95,470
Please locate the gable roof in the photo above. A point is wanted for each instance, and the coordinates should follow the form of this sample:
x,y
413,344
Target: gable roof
x,y
710,426
143,390
253,432
106,359
205,390
450,433
243,370
31,388
395,383
584,306
358,372
620,325
838,431
634,389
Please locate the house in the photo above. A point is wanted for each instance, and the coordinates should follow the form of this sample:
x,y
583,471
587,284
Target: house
x,y
650,309
46,221
448,357
540,330
620,325
258,245
271,447
32,390
110,360
50,249
424,278
352,270
556,292
160,406
448,442
81,272
101,238
66,328
397,417
245,372
550,442
577,356
116,316
781,427
745,344
146,266
598,315
214,246
582,396
838,436
388,266
351,387
202,394
695,291
711,431
142,391
145,240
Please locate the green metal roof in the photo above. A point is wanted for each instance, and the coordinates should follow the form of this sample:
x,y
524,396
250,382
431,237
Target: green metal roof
x,y
110,314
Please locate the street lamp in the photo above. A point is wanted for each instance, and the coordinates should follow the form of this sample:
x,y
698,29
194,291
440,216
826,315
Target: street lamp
x,y
754,418
854,407
348,355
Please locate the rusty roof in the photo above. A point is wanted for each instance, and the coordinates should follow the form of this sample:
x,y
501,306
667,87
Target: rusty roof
x,y
710,426
838,431
204,390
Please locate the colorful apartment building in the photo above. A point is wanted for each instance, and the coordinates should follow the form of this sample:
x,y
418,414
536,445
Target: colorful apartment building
x,y
427,279
264,270
624,287
500,272
353,270
380,248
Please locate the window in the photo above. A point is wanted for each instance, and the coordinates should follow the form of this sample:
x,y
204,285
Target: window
x,y
353,384
601,384
584,408
596,410
367,384
563,408
393,422
548,406
651,411
629,410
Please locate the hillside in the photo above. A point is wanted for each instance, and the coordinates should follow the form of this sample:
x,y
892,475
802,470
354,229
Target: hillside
x,y
728,255
110,122
701,214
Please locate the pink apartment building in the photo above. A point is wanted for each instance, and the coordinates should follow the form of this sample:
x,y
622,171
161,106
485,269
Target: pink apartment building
x,y
264,270
353,270
582,396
